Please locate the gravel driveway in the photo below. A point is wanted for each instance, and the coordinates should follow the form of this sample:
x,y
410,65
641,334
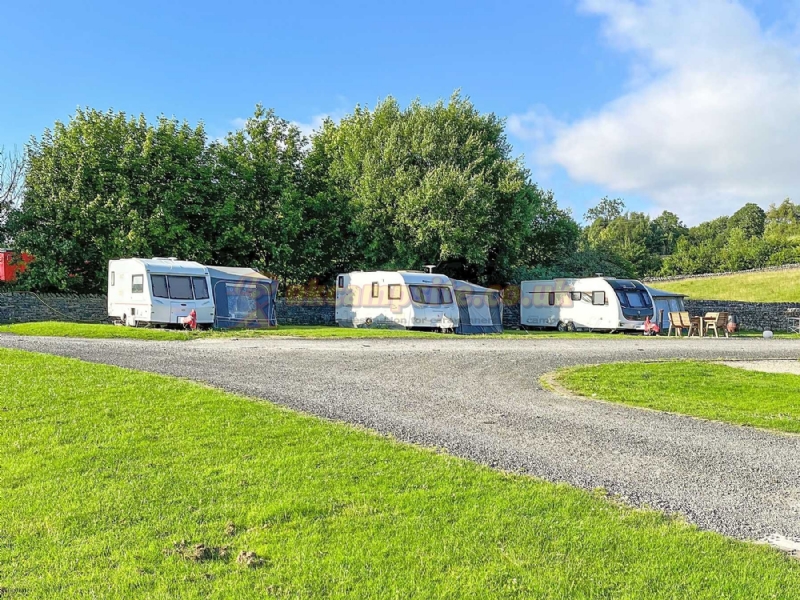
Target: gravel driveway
x,y
481,399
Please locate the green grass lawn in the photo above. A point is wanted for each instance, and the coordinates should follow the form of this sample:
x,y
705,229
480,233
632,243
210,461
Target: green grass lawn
x,y
772,286
60,329
84,330
120,484
313,331
700,389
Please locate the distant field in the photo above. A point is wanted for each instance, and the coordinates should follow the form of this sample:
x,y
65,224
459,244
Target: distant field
x,y
118,484
773,286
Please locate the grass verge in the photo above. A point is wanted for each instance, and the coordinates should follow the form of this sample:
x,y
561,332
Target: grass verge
x,y
771,286
95,331
120,484
98,331
81,330
699,389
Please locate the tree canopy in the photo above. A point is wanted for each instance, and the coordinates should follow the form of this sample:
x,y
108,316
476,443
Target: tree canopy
x,y
428,185
383,188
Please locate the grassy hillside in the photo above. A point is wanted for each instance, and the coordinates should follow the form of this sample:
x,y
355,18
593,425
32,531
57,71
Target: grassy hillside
x,y
773,286
119,484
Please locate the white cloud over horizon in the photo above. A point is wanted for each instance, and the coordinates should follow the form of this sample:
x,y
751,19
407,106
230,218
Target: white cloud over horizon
x,y
710,118
308,128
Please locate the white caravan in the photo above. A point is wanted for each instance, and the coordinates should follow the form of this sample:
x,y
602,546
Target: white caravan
x,y
416,300
594,303
395,299
158,291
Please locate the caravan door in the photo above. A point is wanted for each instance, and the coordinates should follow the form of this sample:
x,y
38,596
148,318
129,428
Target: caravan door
x,y
185,293
434,306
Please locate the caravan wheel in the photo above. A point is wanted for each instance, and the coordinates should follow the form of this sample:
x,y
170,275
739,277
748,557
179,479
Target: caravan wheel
x,y
562,327
571,327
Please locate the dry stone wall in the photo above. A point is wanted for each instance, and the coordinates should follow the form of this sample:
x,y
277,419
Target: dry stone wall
x,y
23,307
26,307
754,316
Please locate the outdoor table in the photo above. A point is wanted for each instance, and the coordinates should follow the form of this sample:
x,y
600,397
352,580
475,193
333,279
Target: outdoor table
x,y
702,324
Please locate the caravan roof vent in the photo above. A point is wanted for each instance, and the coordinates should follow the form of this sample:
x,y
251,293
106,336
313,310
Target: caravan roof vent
x,y
428,268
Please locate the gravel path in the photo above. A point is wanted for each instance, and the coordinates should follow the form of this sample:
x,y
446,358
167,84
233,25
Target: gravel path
x,y
481,399
791,367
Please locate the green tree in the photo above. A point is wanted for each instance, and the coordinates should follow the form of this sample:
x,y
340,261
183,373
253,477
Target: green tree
x,y
666,229
743,251
691,258
783,220
751,219
426,185
104,186
606,211
267,217
553,234
710,231
625,238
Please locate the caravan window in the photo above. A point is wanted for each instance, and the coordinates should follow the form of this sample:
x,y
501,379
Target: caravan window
x,y
111,279
340,281
137,284
634,299
394,292
159,283
598,298
376,290
576,296
180,288
427,294
200,288
559,299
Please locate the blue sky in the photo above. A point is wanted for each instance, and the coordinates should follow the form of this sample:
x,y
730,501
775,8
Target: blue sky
x,y
578,79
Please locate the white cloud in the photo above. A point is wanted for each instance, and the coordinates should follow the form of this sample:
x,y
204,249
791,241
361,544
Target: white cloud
x,y
239,122
307,128
710,120
314,124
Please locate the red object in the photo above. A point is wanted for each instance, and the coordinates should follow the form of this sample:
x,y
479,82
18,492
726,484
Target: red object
x,y
12,264
650,328
191,320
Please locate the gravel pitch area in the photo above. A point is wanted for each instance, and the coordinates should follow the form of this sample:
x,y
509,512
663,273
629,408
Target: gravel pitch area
x,y
790,367
481,399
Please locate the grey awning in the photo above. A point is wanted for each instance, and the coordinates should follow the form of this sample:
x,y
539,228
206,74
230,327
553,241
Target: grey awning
x,y
664,294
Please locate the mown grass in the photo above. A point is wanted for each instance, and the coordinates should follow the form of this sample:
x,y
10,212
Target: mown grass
x,y
314,331
772,286
109,479
700,389
61,329
95,331
99,331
